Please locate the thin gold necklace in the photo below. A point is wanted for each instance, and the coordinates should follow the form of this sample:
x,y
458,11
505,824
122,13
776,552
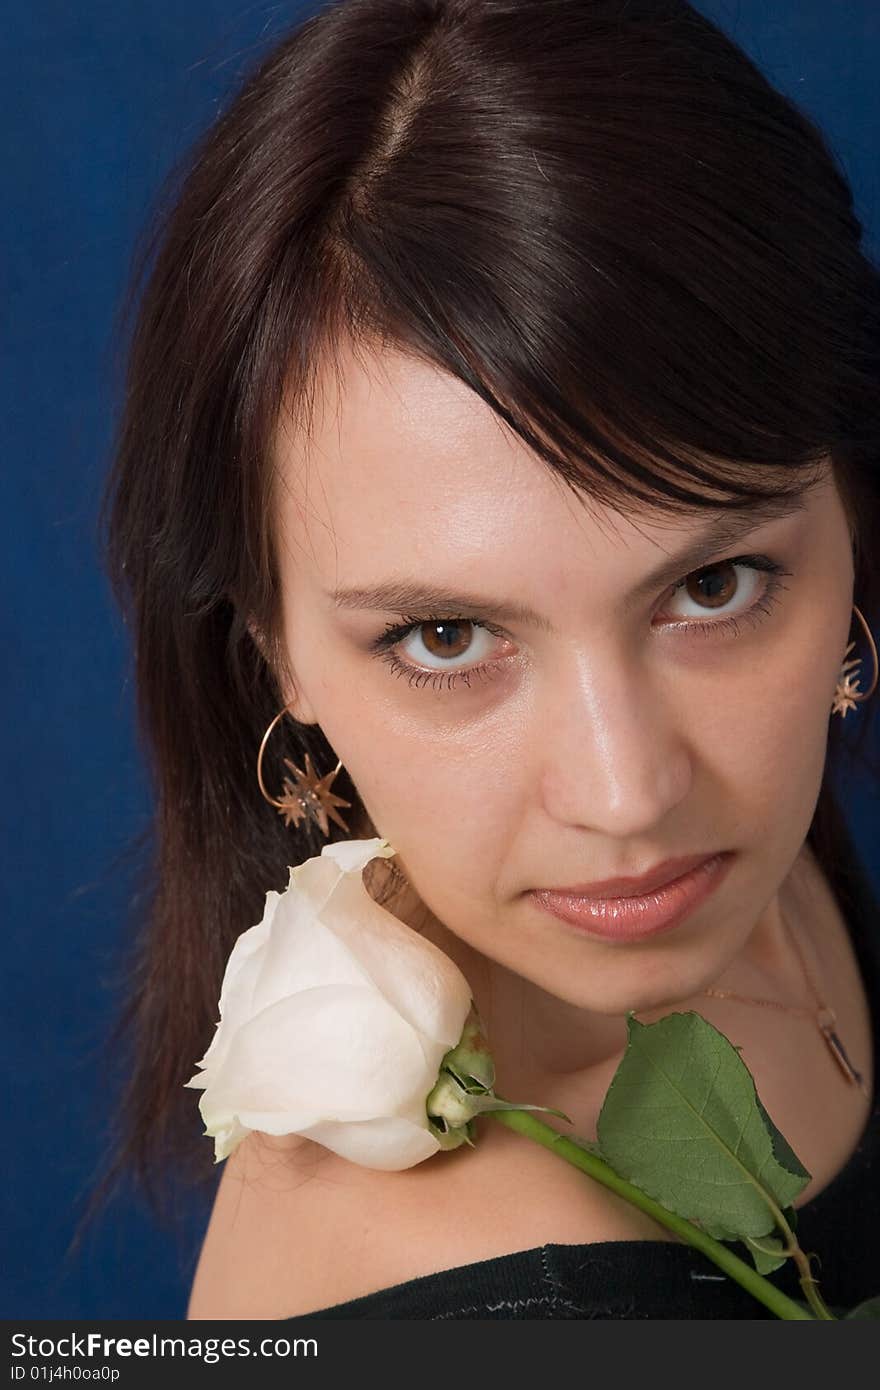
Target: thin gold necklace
x,y
822,1013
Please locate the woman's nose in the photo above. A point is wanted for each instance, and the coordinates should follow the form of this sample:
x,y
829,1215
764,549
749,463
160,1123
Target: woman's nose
x,y
617,751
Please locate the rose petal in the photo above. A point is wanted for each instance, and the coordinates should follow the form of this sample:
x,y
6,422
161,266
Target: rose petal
x,y
250,982
420,980
390,1144
241,959
339,1052
352,855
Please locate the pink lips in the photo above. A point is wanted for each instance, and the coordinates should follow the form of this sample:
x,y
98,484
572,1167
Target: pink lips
x,y
625,887
629,917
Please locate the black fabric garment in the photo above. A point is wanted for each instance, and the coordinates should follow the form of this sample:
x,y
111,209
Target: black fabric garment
x,y
660,1279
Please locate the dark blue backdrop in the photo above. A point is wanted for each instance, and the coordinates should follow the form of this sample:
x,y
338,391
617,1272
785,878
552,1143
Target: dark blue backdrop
x,y
98,100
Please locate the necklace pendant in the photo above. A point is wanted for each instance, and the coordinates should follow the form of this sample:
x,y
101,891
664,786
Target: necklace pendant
x,y
838,1052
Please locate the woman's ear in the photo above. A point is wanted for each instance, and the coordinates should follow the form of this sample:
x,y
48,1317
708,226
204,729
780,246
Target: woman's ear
x,y
259,638
297,707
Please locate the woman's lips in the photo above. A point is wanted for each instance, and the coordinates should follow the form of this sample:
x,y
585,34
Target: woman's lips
x,y
630,919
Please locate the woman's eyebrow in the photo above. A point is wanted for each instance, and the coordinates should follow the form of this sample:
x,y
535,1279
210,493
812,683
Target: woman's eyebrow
x,y
415,596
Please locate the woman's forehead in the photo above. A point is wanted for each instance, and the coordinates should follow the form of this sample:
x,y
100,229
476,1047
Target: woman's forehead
x,y
389,422
410,460
398,451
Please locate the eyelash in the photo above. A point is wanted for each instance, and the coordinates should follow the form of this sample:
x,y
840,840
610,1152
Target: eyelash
x,y
395,633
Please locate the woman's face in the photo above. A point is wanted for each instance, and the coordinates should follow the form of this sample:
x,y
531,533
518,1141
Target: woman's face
x,y
629,717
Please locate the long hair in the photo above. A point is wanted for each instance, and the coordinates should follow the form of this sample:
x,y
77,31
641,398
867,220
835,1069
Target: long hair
x,y
604,220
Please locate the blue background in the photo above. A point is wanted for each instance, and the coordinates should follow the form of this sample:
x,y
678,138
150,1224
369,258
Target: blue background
x,y
98,100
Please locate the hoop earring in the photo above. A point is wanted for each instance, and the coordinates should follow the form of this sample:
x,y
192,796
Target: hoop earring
x,y
308,798
847,694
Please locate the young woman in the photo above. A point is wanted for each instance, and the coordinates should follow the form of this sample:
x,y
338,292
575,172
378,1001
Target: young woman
x,y
502,406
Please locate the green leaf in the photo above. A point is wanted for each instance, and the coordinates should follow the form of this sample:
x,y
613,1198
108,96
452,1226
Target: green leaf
x,y
869,1309
782,1150
791,1216
682,1121
766,1253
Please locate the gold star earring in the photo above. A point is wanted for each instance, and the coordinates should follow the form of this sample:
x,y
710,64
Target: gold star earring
x,y
847,694
308,797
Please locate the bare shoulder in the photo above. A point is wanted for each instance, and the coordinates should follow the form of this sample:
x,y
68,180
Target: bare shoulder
x,y
295,1229
260,1237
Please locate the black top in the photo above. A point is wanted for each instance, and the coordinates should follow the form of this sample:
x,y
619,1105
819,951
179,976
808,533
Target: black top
x,y
664,1279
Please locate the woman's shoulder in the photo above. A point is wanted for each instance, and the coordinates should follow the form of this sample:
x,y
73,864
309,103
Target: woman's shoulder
x,y
295,1229
259,1228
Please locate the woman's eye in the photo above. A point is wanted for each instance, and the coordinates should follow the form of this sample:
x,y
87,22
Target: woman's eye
x,y
746,587
424,649
711,602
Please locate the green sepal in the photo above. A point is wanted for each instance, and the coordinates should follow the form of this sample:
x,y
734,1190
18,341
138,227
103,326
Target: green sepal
x,y
470,1061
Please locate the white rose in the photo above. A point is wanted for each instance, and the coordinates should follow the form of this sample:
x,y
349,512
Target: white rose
x,y
334,1019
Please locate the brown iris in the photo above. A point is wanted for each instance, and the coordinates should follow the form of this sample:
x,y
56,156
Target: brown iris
x,y
444,639
705,584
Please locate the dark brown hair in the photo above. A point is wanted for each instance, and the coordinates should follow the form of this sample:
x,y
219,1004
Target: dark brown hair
x,y
598,215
